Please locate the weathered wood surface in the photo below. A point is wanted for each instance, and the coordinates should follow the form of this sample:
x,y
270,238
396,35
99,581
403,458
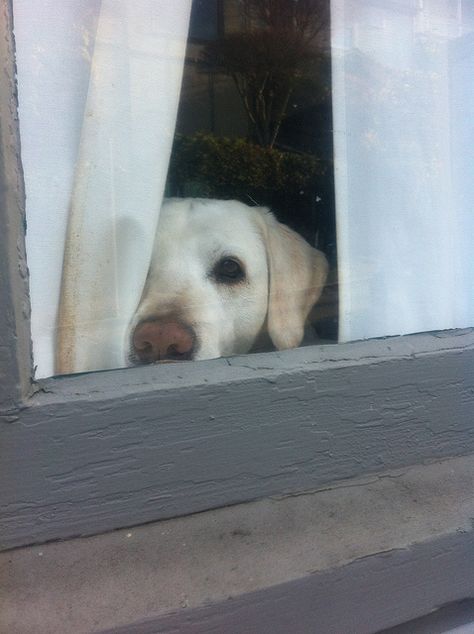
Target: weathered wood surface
x,y
100,451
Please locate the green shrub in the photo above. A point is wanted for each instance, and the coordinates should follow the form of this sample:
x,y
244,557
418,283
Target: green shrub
x,y
210,166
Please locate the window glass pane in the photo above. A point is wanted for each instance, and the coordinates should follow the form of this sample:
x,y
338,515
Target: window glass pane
x,y
204,20
187,165
403,101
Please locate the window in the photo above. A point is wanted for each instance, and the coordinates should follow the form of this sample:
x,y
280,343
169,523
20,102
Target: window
x,y
357,119
205,22
85,454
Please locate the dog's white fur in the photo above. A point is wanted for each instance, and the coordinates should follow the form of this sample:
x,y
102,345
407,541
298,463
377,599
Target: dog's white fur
x,y
284,276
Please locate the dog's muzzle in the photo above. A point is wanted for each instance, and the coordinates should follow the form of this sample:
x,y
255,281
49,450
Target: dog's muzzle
x,y
162,340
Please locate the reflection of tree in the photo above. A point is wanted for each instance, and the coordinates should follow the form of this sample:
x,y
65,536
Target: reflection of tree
x,y
270,59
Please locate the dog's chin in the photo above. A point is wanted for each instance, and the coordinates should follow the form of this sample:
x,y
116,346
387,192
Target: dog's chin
x,y
203,353
133,360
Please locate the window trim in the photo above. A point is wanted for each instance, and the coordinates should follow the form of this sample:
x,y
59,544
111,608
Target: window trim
x,y
15,335
367,595
124,447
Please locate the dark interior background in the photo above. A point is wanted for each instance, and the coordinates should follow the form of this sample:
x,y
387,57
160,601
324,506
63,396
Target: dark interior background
x,y
255,121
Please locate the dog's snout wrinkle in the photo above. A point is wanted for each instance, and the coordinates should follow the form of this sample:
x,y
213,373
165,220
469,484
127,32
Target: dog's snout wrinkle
x,y
163,341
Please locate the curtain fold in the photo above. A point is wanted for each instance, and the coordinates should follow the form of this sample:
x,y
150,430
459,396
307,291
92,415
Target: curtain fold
x,y
99,87
99,84
403,112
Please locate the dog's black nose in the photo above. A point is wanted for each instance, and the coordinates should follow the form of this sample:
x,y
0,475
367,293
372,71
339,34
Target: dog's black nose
x,y
163,341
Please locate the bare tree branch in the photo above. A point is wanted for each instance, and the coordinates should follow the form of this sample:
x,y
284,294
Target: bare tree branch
x,y
268,59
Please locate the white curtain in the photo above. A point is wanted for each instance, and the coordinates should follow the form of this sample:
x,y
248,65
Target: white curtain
x,y
403,108
99,85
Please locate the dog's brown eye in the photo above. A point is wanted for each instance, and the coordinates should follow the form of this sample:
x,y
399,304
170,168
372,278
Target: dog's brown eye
x,y
228,271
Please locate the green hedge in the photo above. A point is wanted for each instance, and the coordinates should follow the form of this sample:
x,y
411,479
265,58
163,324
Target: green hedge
x,y
210,166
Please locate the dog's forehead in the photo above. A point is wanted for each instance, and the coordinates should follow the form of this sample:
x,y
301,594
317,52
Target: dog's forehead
x,y
214,224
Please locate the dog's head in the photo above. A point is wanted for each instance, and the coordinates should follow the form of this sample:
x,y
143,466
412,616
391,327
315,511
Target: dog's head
x,y
222,274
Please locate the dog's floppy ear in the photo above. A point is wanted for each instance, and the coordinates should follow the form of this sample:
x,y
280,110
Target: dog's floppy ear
x,y
297,273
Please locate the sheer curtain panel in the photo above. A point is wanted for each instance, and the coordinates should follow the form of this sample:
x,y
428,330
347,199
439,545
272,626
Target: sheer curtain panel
x,y
403,107
99,86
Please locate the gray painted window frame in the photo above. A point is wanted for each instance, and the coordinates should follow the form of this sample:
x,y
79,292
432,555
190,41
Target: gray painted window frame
x,y
90,453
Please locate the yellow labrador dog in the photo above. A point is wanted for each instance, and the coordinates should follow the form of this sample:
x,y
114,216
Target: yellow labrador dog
x,y
222,277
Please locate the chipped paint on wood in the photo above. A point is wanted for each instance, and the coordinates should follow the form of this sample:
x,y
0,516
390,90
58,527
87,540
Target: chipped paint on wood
x,y
15,343
108,450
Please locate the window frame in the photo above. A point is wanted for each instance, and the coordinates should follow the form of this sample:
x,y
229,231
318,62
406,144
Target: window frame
x,y
15,338
125,447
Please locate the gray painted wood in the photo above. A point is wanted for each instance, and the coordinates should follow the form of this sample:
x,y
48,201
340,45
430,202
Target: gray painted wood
x,y
92,453
100,451
454,618
177,566
15,347
362,597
